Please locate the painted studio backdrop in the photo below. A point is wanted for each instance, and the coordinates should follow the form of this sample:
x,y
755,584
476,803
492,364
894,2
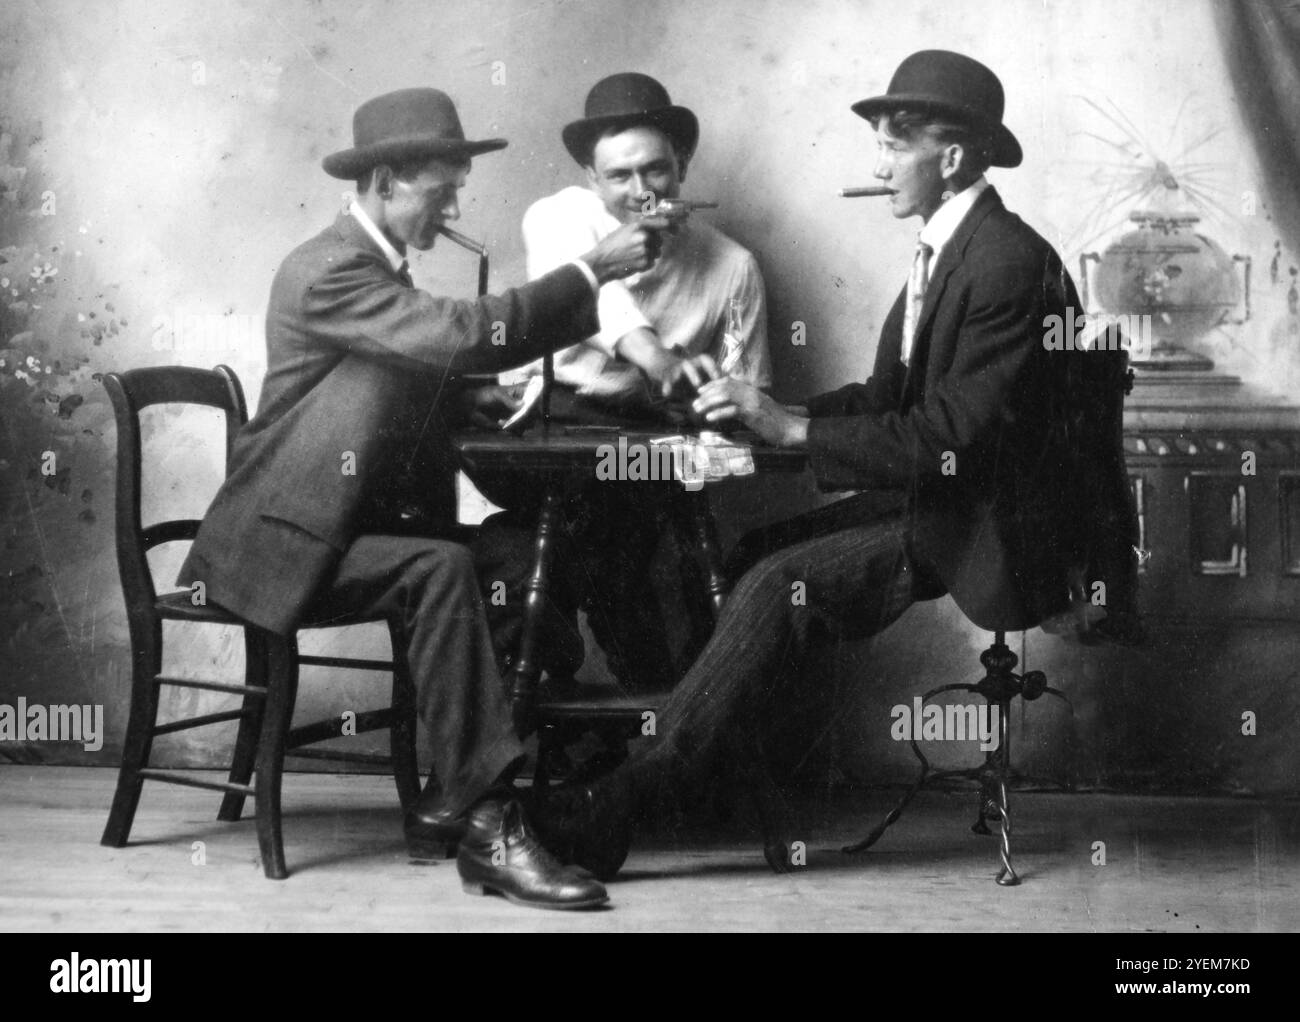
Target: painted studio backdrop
x,y
157,161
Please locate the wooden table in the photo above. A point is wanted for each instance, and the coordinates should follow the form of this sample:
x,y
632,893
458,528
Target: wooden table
x,y
561,456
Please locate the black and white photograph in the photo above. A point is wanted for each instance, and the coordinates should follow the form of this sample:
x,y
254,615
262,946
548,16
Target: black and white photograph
x,y
651,467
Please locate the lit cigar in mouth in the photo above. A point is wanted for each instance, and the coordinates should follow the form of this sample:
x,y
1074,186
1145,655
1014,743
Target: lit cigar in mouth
x,y
862,193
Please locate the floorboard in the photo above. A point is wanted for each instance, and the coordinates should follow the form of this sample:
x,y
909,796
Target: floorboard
x,y
1171,864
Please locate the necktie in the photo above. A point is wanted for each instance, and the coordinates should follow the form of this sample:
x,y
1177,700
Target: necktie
x,y
404,274
916,285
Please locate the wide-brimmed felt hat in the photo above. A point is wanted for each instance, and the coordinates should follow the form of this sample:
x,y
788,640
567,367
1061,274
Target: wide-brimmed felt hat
x,y
404,125
954,86
623,101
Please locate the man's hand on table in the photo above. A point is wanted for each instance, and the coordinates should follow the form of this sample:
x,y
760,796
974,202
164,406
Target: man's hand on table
x,y
666,369
727,399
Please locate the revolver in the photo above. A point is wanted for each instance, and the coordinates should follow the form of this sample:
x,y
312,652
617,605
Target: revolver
x,y
675,211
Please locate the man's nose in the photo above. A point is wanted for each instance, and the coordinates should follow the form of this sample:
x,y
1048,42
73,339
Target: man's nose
x,y
882,170
451,210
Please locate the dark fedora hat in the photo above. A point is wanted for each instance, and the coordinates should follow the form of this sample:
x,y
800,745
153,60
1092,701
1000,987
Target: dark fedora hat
x,y
950,85
404,125
622,101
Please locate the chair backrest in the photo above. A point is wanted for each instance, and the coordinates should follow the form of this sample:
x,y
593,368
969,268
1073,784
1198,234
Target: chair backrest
x,y
131,392
1108,533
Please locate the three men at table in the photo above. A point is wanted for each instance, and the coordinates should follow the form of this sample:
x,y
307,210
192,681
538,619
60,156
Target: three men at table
x,y
358,359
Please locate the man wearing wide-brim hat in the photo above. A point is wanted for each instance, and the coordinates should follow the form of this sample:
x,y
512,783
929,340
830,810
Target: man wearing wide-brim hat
x,y
700,310
964,442
360,388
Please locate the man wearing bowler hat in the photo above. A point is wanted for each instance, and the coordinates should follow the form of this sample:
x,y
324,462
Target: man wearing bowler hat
x,y
960,439
348,448
699,311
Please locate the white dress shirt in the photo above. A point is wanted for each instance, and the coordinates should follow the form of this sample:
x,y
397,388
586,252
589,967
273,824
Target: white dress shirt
x,y
393,256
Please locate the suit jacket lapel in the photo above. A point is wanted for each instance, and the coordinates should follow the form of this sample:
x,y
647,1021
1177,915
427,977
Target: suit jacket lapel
x,y
949,259
889,354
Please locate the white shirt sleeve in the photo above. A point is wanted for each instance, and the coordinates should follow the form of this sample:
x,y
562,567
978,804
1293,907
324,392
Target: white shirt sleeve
x,y
589,273
562,227
755,363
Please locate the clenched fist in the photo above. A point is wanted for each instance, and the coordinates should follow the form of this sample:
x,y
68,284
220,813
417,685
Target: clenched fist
x,y
629,249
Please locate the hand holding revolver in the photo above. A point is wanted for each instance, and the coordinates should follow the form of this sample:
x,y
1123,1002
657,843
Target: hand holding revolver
x,y
629,249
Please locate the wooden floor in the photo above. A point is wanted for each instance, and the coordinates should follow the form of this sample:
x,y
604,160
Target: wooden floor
x,y
1177,865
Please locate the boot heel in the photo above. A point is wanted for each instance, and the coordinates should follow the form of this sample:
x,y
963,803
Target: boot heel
x,y
471,887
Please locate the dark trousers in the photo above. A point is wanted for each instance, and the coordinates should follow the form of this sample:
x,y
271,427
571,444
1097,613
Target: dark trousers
x,y
429,586
842,572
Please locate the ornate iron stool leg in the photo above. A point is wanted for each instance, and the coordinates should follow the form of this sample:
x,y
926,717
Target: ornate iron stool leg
x,y
999,686
993,796
920,782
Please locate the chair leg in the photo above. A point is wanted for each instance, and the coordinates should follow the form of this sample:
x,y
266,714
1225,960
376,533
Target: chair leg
x,y
527,669
546,742
282,671
401,735
1006,875
138,741
245,757
993,801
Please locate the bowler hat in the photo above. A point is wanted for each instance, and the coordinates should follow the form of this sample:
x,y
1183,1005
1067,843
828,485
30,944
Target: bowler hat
x,y
404,125
951,85
623,101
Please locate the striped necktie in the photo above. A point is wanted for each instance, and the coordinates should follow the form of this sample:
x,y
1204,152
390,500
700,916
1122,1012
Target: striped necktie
x,y
916,285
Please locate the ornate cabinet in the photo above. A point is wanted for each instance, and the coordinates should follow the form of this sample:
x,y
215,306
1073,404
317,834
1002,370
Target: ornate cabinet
x,y
1212,701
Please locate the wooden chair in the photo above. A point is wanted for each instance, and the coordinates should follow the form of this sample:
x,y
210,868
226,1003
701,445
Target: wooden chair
x,y
271,661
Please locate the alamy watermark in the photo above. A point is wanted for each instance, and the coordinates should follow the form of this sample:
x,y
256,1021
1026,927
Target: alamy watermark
x,y
207,334
59,723
1097,332
691,462
953,722
75,975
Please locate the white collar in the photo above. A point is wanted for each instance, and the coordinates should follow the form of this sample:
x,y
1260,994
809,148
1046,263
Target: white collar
x,y
395,259
946,219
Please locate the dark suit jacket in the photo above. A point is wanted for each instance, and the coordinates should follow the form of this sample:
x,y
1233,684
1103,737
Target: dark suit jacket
x,y
360,367
1003,532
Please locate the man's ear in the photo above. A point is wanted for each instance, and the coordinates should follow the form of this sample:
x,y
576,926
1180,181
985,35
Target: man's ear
x,y
592,178
954,159
682,161
382,181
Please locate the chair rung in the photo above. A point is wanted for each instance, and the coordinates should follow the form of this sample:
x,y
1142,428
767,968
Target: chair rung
x,y
324,730
149,773
207,718
212,686
373,758
342,661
